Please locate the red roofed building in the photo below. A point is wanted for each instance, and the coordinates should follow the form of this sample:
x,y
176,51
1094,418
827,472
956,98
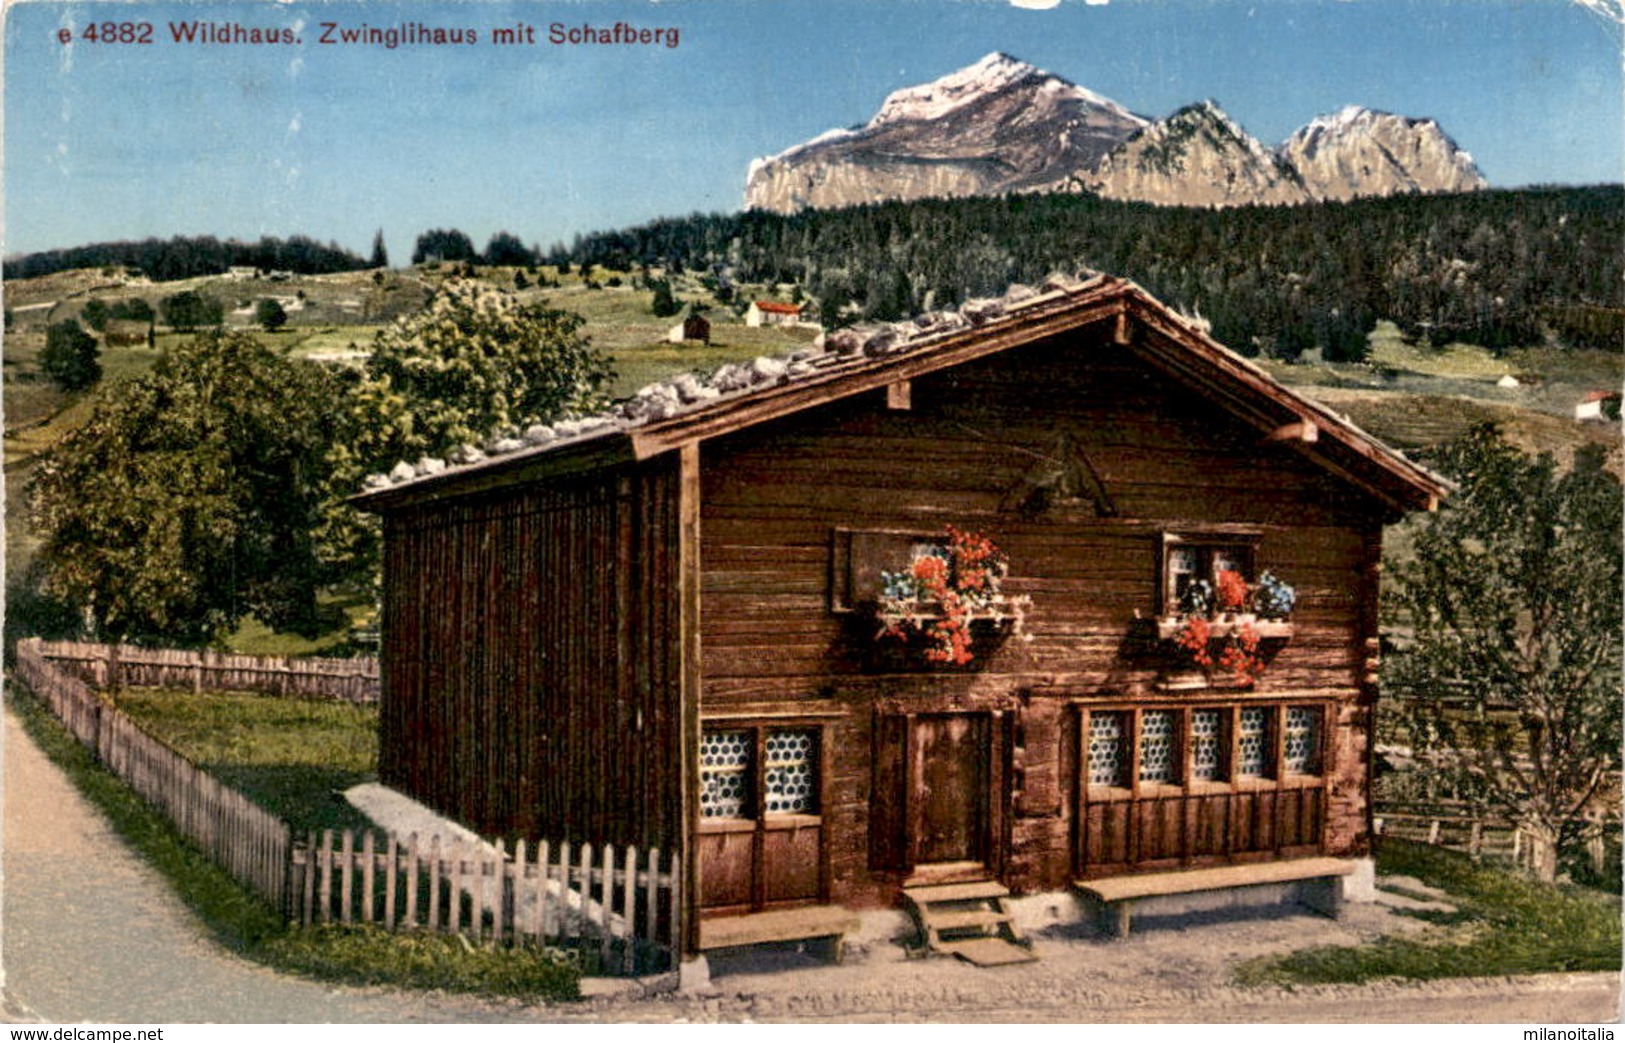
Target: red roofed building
x,y
772,313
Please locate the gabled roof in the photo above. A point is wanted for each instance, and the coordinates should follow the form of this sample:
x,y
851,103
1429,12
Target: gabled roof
x,y
775,306
690,408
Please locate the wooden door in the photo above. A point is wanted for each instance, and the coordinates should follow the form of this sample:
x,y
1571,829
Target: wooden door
x,y
951,754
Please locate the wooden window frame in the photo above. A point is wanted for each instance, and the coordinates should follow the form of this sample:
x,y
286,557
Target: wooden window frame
x,y
1185,787
760,822
1207,545
857,556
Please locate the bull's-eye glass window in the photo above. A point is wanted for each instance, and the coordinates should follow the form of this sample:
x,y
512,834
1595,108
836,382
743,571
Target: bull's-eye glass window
x,y
1301,741
729,762
1107,764
1207,745
725,773
1202,744
1252,745
1157,746
791,766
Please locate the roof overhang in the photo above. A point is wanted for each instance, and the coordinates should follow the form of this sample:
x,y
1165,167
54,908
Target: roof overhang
x,y
1139,324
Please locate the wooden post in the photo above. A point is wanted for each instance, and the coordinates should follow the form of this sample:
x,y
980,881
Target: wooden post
x,y
629,912
325,908
392,861
538,915
346,874
366,877
686,927
606,909
434,883
412,859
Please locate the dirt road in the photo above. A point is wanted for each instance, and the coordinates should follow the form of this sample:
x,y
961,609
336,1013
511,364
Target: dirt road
x,y
91,934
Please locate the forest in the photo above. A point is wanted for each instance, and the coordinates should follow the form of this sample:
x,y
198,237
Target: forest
x,y
187,257
1497,268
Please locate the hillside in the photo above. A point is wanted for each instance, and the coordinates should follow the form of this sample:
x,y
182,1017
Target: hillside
x,y
1499,268
1407,393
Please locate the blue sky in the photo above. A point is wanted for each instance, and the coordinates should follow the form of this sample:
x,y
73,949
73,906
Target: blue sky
x,y
109,141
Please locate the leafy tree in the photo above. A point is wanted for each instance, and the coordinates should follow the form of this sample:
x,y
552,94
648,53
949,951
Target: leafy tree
x,y
95,313
476,360
506,249
270,314
189,498
134,309
70,356
443,244
1511,676
380,256
664,304
189,310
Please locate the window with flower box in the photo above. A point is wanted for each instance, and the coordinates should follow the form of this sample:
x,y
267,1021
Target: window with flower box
x,y
1187,559
1198,783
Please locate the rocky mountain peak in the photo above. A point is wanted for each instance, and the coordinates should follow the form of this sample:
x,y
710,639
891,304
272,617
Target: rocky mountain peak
x,y
1363,152
1198,156
1001,125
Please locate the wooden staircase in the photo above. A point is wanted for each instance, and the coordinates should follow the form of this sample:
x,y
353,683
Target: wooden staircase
x,y
971,921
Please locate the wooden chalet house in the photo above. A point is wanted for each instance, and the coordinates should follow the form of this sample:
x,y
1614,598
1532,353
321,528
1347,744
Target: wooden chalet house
x,y
667,625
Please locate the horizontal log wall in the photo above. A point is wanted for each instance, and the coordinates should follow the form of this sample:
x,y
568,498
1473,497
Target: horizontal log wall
x,y
531,661
1169,461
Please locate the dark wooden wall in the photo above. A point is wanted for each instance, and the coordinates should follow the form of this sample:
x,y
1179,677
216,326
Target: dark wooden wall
x,y
531,658
1168,459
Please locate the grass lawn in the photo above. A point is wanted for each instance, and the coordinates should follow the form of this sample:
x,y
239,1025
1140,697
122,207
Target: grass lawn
x,y
293,757
1503,924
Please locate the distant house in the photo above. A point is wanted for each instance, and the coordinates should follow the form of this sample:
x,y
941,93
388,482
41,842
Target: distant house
x,y
695,327
242,272
1509,381
772,313
1601,406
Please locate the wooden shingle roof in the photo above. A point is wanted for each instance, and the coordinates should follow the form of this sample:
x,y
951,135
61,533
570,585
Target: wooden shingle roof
x,y
690,408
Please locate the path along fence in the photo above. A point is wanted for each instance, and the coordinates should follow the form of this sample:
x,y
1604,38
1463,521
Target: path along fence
x,y
619,903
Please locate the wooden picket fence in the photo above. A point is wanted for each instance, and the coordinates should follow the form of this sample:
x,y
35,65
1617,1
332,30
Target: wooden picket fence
x,y
353,680
247,841
1478,836
618,904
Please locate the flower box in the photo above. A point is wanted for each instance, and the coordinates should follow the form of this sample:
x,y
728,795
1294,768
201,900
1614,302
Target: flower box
x,y
947,600
1168,627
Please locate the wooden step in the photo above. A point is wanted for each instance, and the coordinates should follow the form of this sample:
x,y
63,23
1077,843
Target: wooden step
x,y
963,919
987,952
973,891
780,925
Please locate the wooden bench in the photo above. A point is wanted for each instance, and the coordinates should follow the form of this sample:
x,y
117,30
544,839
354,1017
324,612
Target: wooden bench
x,y
1113,898
828,923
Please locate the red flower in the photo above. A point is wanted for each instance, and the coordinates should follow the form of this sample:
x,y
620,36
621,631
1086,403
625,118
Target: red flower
x,y
1232,590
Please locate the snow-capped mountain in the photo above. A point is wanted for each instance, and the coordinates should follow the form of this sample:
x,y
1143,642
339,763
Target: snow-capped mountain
x,y
1002,125
1359,152
997,126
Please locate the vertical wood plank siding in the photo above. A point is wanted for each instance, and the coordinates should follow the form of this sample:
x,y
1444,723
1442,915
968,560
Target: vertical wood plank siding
x,y
531,676
1169,459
